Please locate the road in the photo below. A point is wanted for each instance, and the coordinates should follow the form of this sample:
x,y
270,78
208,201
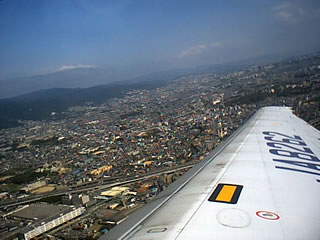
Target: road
x,y
96,186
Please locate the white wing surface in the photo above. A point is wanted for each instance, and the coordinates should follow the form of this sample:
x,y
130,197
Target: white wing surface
x,y
263,182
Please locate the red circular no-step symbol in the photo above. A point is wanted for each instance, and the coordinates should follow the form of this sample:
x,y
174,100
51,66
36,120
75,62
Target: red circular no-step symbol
x,y
268,215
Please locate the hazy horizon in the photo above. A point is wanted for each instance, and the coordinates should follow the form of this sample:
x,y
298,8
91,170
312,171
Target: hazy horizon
x,y
131,38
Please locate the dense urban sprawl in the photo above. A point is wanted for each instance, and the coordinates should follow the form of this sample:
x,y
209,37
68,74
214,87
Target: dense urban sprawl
x,y
164,130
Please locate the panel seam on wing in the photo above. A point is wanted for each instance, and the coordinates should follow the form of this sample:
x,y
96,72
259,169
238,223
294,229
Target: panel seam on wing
x,y
269,183
222,172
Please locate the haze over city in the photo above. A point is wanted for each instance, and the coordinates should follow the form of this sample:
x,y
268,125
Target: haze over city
x,y
127,119
130,38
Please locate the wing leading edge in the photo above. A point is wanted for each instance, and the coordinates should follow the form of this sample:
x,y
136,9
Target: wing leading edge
x,y
263,182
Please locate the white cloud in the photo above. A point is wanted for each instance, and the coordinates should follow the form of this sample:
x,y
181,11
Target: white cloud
x,y
195,50
289,12
199,49
68,67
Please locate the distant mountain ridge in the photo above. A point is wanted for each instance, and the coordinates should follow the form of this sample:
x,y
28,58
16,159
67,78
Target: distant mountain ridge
x,y
39,104
68,78
88,76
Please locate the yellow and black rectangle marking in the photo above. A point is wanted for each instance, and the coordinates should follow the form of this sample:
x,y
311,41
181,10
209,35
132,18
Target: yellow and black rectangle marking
x,y
226,193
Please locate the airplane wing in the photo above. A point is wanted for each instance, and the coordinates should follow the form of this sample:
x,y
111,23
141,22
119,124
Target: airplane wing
x,y
263,182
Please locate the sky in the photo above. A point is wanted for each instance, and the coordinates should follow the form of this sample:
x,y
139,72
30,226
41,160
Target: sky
x,y
132,37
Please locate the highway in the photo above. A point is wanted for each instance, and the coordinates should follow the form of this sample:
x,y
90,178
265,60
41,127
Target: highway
x,y
95,186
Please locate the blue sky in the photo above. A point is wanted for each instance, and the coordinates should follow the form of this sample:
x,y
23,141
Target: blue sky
x,y
134,37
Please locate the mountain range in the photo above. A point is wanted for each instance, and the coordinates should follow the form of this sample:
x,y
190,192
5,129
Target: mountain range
x,y
36,97
81,77
85,76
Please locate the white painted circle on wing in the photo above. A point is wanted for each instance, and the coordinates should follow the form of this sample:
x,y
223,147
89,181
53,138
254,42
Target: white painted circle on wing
x,y
232,217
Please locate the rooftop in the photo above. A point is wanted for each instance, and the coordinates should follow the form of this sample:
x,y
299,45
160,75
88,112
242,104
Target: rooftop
x,y
40,211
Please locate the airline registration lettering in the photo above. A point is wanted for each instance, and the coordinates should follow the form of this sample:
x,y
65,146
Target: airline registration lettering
x,y
294,148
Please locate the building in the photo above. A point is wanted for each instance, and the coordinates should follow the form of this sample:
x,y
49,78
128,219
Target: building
x,y
44,217
115,191
75,199
33,186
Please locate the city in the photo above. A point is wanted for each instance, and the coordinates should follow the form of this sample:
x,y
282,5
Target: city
x,y
95,164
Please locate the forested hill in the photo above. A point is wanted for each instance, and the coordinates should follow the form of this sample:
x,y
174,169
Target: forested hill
x,y
40,104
